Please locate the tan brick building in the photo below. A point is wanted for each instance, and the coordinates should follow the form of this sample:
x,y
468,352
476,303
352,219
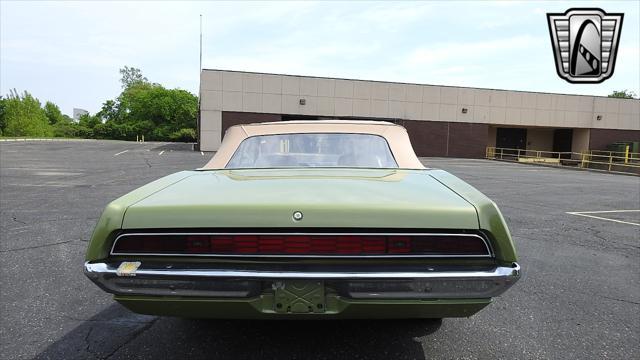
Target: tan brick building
x,y
441,120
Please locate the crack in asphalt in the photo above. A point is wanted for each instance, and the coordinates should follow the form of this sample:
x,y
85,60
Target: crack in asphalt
x,y
133,337
86,341
28,226
14,218
599,242
540,295
609,242
109,321
71,219
40,246
616,299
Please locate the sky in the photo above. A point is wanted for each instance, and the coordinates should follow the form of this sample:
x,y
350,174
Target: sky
x,y
70,52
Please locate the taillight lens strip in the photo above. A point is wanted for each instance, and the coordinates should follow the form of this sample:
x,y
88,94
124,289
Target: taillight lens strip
x,y
288,244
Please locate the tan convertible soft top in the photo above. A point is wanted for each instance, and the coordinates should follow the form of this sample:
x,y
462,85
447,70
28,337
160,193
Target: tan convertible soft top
x,y
395,135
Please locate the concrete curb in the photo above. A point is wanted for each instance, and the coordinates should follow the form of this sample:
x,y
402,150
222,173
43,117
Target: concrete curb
x,y
45,139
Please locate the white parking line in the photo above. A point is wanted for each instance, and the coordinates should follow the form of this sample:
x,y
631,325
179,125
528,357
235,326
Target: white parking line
x,y
604,211
121,152
161,152
201,153
587,214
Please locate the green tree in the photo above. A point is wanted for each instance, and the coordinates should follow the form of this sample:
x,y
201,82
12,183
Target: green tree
x,y
149,109
53,113
143,108
624,94
110,111
23,116
3,101
89,121
131,76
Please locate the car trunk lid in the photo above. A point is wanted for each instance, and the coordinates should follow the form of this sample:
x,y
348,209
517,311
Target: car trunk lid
x,y
326,198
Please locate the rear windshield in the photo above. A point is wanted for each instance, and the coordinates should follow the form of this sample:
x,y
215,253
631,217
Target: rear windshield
x,y
313,150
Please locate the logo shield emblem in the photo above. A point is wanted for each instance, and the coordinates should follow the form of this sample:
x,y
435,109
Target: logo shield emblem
x,y
585,44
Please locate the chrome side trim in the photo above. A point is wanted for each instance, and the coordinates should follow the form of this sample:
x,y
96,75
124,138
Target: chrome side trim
x,y
489,249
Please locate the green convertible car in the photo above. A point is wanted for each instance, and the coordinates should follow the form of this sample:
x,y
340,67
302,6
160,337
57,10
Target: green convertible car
x,y
305,219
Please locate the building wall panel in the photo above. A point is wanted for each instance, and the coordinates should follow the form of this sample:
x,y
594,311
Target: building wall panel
x,y
429,138
467,140
271,84
580,140
252,83
600,138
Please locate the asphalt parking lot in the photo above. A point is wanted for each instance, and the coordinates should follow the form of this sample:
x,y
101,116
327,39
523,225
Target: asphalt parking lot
x,y
579,296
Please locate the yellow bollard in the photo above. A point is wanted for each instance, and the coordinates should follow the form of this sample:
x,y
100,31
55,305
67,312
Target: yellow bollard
x,y
626,155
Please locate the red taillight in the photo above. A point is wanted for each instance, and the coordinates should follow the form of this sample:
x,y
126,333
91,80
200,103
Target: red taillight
x,y
313,244
399,244
198,244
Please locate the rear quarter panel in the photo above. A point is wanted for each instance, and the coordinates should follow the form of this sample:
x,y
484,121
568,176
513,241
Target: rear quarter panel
x,y
490,218
113,215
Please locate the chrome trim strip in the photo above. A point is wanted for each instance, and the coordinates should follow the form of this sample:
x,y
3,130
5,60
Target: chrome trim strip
x,y
489,254
497,272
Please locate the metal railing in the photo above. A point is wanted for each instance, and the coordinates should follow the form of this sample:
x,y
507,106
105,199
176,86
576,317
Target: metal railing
x,y
626,161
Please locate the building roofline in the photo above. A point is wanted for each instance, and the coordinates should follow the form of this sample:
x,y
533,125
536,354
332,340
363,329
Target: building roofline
x,y
409,83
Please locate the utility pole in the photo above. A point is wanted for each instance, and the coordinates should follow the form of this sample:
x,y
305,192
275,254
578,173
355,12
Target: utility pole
x,y
198,125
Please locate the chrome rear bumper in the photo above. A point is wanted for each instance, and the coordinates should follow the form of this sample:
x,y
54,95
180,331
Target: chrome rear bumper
x,y
427,282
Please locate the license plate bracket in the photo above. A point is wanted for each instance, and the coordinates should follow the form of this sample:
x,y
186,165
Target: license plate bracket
x,y
299,297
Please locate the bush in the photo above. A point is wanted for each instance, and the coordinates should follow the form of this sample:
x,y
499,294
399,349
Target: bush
x,y
184,135
65,130
23,116
111,130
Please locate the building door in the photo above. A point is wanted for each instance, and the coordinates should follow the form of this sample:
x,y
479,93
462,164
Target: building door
x,y
562,141
511,138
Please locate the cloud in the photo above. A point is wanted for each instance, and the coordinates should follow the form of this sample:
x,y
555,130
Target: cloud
x,y
394,16
470,52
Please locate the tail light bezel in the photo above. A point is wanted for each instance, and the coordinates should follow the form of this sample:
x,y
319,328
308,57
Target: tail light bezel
x,y
488,250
